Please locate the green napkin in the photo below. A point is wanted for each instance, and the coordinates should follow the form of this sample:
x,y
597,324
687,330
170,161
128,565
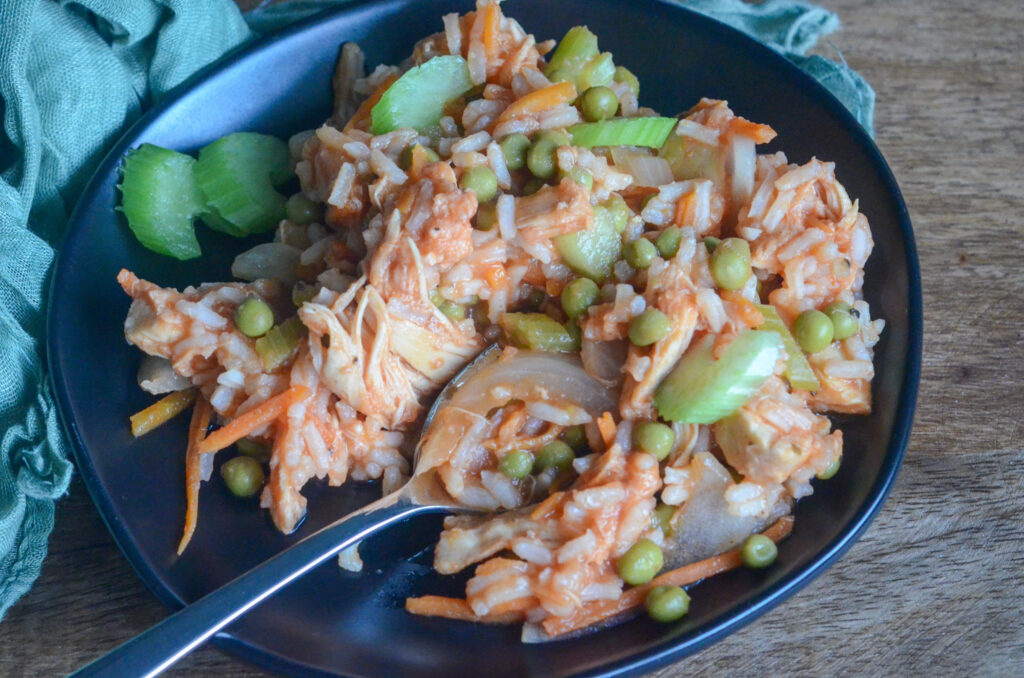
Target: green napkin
x,y
73,75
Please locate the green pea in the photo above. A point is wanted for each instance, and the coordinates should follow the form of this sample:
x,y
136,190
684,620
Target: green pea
x,y
486,216
663,518
536,299
253,317
243,476
251,448
654,438
668,242
516,464
598,103
540,159
640,253
582,177
667,604
514,148
405,159
649,327
555,454
711,242
575,437
640,563
482,181
578,296
436,298
453,310
813,331
758,551
619,211
301,210
532,186
730,263
844,323
831,471
623,74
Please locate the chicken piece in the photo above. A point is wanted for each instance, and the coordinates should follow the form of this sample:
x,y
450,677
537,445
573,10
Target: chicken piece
x,y
553,211
647,366
195,330
774,434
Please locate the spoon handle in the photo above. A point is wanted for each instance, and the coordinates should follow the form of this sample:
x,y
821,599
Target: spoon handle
x,y
156,649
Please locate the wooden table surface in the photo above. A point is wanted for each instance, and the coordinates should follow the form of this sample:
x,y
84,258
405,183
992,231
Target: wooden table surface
x,y
935,585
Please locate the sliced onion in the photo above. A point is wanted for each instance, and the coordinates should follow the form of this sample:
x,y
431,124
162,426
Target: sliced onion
x,y
647,170
269,260
556,379
742,159
603,360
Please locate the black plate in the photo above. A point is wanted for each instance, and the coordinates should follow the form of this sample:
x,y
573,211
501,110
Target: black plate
x,y
334,623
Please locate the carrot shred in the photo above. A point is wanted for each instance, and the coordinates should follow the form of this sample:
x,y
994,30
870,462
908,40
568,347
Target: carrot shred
x,y
761,134
749,313
363,112
490,36
683,209
161,412
495,276
196,432
457,608
606,425
539,100
599,610
259,416
547,506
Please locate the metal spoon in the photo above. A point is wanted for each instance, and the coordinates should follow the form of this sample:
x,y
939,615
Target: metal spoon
x,y
151,652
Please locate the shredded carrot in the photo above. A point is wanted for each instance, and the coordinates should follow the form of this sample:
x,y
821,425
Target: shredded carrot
x,y
490,38
761,134
606,425
495,276
634,195
363,112
683,209
457,608
196,432
511,606
162,411
599,610
547,506
259,416
539,100
417,163
748,312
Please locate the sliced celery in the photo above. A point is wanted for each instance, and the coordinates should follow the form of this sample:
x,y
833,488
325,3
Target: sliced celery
x,y
702,390
417,98
161,200
237,175
280,345
593,252
798,371
651,132
692,159
578,59
538,331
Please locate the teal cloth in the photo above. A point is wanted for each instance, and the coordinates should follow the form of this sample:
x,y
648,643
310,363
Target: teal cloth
x,y
73,75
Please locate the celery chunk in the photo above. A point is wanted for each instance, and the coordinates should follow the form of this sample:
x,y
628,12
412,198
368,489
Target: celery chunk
x,y
417,98
281,344
593,252
798,371
160,199
237,174
577,59
538,331
651,132
702,390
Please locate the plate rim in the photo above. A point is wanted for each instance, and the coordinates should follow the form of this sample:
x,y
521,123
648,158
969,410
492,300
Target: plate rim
x,y
670,650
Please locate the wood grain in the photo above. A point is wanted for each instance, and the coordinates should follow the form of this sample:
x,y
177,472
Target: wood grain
x,y
934,587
